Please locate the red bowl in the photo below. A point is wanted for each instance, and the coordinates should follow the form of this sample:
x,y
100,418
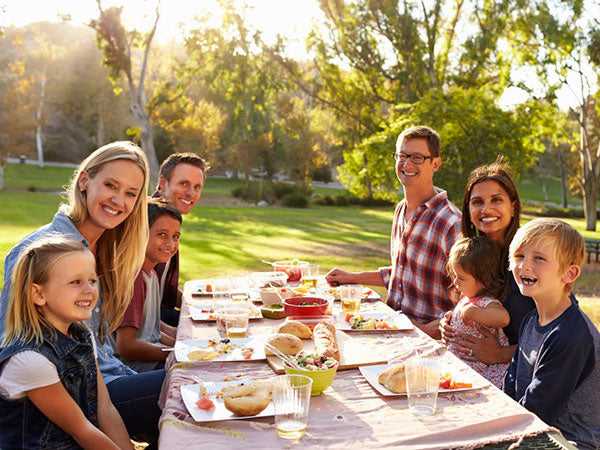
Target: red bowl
x,y
316,306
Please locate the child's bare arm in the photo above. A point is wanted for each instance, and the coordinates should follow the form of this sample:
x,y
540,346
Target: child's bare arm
x,y
493,315
131,347
58,406
167,340
168,329
108,417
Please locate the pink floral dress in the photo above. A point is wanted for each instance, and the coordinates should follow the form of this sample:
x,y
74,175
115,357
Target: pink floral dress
x,y
492,372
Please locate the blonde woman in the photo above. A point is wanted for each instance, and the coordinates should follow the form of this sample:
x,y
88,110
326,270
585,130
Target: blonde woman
x,y
107,212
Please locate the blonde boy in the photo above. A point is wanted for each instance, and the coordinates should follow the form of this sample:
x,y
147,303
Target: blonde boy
x,y
555,371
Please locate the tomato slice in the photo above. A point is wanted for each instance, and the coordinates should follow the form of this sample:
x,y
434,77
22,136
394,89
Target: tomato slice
x,y
205,403
348,317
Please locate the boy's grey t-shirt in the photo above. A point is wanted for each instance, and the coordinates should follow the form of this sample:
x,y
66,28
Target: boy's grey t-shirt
x,y
555,373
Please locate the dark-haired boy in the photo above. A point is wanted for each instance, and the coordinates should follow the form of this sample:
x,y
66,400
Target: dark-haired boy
x,y
555,371
141,335
182,176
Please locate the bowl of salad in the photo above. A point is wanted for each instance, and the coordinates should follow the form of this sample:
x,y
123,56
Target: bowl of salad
x,y
292,268
320,369
305,306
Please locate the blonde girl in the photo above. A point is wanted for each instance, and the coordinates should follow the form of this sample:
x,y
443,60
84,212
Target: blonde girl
x,y
51,393
474,265
107,212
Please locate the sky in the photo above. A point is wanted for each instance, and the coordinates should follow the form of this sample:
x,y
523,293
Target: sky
x,y
291,18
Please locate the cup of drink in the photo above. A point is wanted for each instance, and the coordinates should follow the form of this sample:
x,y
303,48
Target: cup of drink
x,y
221,290
350,295
220,319
422,384
236,322
291,399
240,286
310,275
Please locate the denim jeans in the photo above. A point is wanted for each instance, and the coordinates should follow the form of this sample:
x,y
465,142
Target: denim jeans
x,y
136,399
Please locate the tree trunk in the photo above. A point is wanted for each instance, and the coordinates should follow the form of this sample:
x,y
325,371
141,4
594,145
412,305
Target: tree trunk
x,y
100,129
38,116
143,122
367,177
1,172
590,177
563,178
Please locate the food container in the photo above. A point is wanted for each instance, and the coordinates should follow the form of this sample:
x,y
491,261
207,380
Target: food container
x,y
293,269
266,279
269,295
274,311
311,321
305,306
322,379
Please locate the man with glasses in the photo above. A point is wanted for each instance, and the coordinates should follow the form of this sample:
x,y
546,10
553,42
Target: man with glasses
x,y
426,225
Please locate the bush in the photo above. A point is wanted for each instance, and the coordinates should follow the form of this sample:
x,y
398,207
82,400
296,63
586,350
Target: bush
x,y
325,200
282,189
255,192
322,173
294,200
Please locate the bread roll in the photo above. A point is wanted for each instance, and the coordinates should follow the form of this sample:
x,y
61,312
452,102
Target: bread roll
x,y
296,328
324,340
285,343
394,378
247,400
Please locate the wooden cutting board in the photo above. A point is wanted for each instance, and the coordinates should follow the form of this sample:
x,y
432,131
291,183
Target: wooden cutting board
x,y
352,354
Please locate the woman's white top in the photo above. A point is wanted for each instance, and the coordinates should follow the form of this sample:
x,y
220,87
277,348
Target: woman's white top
x,y
28,370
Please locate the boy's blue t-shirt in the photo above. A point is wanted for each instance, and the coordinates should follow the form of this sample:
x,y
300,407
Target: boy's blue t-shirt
x,y
555,373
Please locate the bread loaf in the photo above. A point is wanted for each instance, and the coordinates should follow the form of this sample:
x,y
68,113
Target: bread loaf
x,y
285,343
394,378
296,328
324,340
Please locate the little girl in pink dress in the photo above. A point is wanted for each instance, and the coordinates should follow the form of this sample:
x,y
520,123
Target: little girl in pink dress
x,y
474,266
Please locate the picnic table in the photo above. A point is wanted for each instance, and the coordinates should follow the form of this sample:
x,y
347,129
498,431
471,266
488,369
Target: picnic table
x,y
350,413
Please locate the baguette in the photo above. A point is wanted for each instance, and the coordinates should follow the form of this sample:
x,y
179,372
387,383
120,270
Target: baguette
x,y
324,340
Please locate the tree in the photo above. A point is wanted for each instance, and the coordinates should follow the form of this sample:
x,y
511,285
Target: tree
x,y
117,44
565,50
239,79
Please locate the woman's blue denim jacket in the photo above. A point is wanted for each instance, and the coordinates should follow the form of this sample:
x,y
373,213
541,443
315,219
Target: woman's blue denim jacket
x,y
22,425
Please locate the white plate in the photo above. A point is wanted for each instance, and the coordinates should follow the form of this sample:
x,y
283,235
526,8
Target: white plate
x,y
402,322
201,313
371,373
182,348
191,394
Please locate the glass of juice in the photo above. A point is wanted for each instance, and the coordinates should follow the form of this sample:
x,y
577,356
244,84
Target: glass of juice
x,y
236,322
310,275
350,295
291,400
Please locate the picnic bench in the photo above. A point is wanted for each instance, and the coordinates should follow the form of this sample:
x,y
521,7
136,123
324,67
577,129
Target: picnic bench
x,y
592,247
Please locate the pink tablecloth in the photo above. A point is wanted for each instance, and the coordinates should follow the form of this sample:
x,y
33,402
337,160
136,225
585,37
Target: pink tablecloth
x,y
350,413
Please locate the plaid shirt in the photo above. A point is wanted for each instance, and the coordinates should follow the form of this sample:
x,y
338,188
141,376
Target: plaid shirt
x,y
417,281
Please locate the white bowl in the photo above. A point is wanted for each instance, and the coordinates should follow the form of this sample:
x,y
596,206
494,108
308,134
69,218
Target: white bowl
x,y
269,295
265,279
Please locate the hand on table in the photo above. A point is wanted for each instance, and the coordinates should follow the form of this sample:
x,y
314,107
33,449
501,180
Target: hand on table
x,y
336,276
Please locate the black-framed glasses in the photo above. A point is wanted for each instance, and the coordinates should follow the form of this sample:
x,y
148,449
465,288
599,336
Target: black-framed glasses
x,y
415,158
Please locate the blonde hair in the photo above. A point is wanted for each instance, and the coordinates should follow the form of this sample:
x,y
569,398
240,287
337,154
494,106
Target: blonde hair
x,y
569,245
120,251
480,258
23,319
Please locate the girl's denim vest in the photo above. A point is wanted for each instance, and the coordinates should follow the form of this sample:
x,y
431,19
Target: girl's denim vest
x,y
22,425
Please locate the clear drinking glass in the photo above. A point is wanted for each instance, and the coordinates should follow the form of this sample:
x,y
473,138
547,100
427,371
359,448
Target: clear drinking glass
x,y
240,287
221,289
291,399
236,322
350,295
310,275
422,384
